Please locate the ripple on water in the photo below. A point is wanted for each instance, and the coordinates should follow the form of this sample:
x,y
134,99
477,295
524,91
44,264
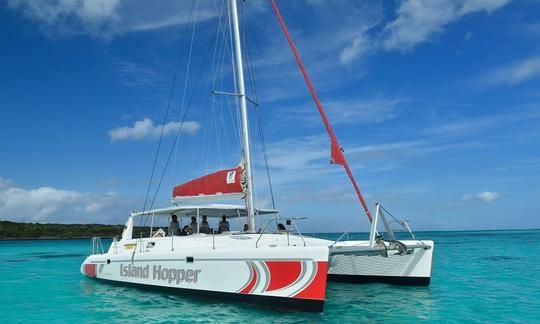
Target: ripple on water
x,y
500,258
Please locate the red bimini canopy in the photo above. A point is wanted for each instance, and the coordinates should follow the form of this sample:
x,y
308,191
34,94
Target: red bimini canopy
x,y
221,182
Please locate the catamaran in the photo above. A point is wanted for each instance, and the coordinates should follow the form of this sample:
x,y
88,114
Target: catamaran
x,y
279,268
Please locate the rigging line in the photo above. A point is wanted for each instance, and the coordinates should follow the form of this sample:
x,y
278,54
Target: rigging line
x,y
388,213
215,106
235,86
211,121
182,123
247,53
211,84
167,112
188,69
201,140
224,51
399,222
225,103
220,40
217,111
228,99
194,21
249,61
350,227
213,72
265,156
212,80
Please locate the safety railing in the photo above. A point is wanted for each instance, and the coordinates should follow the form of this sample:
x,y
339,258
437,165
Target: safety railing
x,y
97,246
289,222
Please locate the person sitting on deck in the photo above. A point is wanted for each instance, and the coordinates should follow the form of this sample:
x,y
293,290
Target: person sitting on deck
x,y
185,231
174,227
205,227
246,228
223,225
281,227
193,224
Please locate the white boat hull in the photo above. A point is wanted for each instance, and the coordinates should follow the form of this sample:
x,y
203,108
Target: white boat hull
x,y
290,277
413,268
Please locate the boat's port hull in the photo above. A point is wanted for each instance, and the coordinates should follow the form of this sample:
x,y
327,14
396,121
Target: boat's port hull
x,y
290,277
393,267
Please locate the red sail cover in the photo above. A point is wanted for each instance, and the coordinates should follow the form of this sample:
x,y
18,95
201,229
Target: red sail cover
x,y
220,182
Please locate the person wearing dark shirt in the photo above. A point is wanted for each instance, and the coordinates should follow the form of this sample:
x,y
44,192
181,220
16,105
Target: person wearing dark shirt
x,y
174,227
223,225
193,224
205,227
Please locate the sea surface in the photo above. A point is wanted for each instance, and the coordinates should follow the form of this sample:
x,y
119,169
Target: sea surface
x,y
478,276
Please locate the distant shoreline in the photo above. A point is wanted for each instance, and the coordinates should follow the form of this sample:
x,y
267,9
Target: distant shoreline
x,y
18,231
10,231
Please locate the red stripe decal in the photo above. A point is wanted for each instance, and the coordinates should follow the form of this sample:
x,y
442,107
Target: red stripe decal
x,y
317,288
90,269
283,273
251,284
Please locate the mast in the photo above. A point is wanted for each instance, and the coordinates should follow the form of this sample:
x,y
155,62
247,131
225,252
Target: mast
x,y
244,116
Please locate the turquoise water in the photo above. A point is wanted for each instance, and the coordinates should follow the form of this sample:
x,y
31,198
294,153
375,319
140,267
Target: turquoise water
x,y
478,276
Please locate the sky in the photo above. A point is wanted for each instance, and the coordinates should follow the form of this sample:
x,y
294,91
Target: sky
x,y
435,103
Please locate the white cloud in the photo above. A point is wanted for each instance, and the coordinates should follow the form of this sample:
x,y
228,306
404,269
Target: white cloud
x,y
106,18
419,20
332,194
96,17
139,16
138,76
470,6
465,126
514,73
295,161
485,196
357,47
373,110
341,32
5,183
146,129
47,204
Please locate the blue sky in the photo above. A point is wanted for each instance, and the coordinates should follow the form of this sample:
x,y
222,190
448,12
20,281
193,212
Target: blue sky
x,y
436,104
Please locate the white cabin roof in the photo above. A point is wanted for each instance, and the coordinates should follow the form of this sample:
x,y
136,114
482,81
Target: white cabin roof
x,y
212,210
